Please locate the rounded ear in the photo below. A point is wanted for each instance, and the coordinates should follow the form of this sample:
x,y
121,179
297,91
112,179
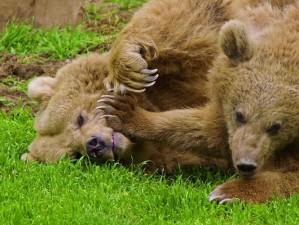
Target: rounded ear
x,y
235,42
41,88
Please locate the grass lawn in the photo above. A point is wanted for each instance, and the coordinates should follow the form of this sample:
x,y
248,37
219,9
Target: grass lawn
x,y
81,193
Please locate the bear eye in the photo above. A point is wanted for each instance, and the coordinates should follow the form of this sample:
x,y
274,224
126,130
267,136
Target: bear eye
x,y
274,128
239,117
80,120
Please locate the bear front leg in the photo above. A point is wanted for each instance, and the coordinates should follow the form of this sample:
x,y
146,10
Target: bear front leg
x,y
128,64
124,115
198,129
258,189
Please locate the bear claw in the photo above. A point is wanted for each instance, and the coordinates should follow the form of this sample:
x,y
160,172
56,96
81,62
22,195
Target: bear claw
x,y
148,71
152,78
105,100
102,107
220,198
149,84
108,116
124,87
107,96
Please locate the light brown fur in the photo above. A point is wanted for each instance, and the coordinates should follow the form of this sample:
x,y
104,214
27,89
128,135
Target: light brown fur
x,y
72,94
251,118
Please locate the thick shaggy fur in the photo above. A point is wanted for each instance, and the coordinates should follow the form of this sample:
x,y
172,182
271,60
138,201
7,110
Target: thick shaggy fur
x,y
177,37
251,118
67,119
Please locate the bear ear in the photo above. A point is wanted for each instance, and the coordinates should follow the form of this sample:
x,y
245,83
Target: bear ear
x,y
41,88
234,41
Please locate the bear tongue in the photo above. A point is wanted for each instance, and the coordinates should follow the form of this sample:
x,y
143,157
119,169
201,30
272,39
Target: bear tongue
x,y
113,146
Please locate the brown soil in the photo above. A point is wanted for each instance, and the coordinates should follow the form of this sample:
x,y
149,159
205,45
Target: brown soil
x,y
105,17
24,69
12,98
98,16
16,68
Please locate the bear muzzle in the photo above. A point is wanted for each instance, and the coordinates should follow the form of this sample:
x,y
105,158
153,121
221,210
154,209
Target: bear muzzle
x,y
246,167
96,147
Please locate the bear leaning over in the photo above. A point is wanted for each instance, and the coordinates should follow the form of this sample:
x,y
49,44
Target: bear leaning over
x,y
253,112
66,119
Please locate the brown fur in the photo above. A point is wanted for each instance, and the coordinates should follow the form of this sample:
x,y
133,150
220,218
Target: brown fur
x,y
180,39
252,114
73,93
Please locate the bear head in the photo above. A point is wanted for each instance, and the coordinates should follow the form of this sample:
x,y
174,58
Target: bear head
x,y
67,122
255,83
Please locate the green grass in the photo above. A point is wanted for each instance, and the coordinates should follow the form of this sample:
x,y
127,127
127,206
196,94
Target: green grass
x,y
15,83
22,39
127,4
81,193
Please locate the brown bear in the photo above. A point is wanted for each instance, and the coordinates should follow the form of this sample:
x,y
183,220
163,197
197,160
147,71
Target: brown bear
x,y
68,124
252,116
179,38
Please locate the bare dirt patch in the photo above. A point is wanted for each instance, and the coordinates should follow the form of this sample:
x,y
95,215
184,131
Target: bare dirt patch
x,y
24,69
104,17
15,70
10,98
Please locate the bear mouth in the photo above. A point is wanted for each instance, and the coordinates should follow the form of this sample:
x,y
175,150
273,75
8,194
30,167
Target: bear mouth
x,y
113,147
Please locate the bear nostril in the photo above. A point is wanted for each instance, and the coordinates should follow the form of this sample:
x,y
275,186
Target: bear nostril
x,y
96,147
93,142
96,143
246,167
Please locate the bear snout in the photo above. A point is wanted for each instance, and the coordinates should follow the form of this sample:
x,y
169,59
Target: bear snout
x,y
246,167
96,147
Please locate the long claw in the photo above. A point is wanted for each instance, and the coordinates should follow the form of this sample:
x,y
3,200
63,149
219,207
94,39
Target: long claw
x,y
108,116
105,100
106,96
135,90
147,71
152,78
227,201
214,197
149,84
102,107
110,89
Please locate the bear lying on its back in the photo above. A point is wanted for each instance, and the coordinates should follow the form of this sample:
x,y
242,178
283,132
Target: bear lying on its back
x,y
253,113
68,124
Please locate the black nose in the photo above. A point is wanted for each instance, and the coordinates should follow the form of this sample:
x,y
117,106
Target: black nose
x,y
96,147
246,167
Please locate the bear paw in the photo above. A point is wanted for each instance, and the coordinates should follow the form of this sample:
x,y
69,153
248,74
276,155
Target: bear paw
x,y
119,111
223,194
257,189
128,67
133,81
